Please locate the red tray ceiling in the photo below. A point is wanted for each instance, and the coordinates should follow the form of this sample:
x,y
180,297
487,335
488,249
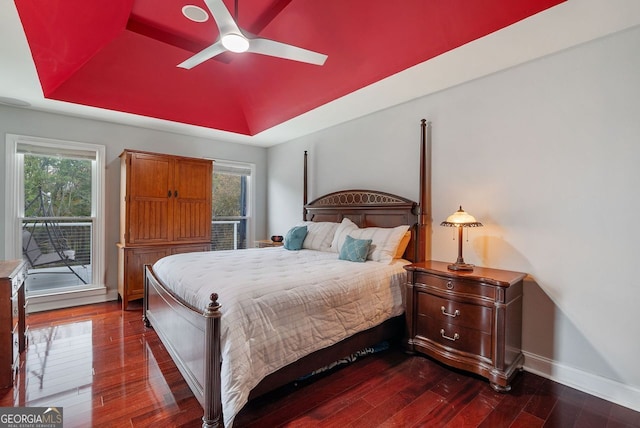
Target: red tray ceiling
x,y
122,54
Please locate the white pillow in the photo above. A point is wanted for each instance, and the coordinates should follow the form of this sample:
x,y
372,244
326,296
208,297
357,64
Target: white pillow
x,y
344,228
384,241
319,235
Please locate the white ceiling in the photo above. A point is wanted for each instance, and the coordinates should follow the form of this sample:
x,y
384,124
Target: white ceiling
x,y
561,27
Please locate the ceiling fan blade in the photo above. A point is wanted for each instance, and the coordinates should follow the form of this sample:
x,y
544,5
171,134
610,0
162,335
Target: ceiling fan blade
x,y
282,50
203,55
222,16
227,25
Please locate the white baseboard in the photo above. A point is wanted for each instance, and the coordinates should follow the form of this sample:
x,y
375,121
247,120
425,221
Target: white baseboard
x,y
607,389
98,294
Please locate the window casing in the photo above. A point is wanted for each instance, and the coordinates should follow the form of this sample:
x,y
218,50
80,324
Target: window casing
x,y
16,148
232,202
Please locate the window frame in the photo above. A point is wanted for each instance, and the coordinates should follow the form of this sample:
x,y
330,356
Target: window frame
x,y
251,199
14,199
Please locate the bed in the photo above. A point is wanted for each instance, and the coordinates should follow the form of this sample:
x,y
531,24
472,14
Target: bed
x,y
197,314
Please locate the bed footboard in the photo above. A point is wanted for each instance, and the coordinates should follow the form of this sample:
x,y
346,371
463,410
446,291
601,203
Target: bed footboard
x,y
182,329
192,338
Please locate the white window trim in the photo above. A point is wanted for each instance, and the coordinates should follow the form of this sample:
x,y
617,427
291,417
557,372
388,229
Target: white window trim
x,y
14,203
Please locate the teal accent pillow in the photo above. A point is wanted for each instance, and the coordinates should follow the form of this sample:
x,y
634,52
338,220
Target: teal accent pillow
x,y
295,237
355,250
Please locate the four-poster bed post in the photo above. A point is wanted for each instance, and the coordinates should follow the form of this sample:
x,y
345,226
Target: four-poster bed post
x,y
424,206
305,199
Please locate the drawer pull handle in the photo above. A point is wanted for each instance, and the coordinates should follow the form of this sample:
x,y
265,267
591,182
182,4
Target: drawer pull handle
x,y
449,285
455,337
456,313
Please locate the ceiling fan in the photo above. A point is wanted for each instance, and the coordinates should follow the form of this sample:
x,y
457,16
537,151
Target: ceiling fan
x,y
234,39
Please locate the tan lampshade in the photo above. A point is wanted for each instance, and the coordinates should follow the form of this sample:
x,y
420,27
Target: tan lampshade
x,y
461,218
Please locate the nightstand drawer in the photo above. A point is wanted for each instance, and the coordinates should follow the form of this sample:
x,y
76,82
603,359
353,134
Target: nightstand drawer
x,y
456,313
453,336
457,286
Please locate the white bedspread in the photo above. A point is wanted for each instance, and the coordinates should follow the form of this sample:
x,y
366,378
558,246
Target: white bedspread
x,y
280,305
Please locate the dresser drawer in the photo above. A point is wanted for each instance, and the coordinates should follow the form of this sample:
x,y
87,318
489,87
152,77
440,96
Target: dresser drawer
x,y
457,286
15,311
456,313
15,341
15,318
18,279
454,336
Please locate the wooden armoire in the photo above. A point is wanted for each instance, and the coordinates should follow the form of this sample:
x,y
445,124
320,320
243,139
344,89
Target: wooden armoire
x,y
165,208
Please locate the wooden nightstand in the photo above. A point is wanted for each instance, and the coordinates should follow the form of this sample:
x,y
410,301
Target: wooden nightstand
x,y
263,243
468,320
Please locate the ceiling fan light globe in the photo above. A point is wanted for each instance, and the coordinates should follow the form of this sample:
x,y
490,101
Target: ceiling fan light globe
x,y
235,42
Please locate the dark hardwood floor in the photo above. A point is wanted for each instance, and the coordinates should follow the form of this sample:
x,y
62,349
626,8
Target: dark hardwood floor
x,y
105,369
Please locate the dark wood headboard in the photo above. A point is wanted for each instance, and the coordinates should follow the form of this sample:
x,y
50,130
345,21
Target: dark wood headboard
x,y
370,208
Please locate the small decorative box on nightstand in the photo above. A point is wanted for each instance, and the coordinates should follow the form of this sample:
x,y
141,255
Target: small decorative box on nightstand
x,y
471,320
263,243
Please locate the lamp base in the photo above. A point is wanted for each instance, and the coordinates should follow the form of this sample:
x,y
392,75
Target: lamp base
x,y
460,266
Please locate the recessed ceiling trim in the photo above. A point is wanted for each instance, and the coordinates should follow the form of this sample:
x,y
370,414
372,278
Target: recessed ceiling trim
x,y
14,102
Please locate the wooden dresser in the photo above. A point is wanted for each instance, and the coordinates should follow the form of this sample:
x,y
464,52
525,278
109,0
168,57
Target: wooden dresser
x,y
165,209
12,318
468,320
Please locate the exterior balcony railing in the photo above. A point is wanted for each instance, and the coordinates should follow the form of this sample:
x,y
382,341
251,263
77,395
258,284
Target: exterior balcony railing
x,y
58,251
65,244
228,234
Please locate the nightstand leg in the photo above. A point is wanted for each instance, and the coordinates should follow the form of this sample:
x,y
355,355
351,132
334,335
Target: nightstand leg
x,y
500,388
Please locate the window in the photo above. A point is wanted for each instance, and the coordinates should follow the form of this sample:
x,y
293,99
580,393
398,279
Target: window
x,y
54,213
231,205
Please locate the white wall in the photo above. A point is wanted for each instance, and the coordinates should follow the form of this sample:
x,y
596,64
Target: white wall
x,y
116,138
546,156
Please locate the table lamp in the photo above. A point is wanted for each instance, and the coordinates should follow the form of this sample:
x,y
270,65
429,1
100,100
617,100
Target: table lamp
x,y
460,219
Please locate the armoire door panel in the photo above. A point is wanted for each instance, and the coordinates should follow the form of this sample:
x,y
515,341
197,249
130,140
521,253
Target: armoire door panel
x,y
136,259
151,180
151,175
192,206
150,221
193,179
193,221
